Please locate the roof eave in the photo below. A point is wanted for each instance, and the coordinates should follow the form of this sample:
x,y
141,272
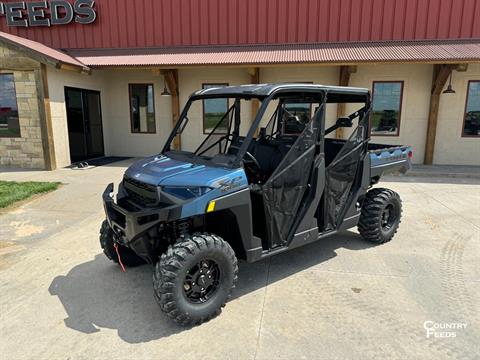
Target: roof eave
x,y
292,63
42,58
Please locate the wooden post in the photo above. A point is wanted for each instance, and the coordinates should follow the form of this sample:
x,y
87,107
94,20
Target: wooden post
x,y
344,79
254,79
45,118
440,77
171,79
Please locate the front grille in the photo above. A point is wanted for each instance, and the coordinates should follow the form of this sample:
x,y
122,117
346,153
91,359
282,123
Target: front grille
x,y
139,192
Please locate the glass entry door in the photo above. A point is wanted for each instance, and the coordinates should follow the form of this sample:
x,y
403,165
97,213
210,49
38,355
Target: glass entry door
x,y
84,117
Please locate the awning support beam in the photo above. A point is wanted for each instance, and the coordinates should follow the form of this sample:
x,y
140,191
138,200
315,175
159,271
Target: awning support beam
x,y
171,79
344,80
254,79
441,72
46,127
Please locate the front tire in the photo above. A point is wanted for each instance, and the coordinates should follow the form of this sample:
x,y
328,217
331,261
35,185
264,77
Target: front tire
x,y
381,215
195,277
128,256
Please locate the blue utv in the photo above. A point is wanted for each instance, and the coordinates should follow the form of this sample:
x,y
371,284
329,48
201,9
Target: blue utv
x,y
255,186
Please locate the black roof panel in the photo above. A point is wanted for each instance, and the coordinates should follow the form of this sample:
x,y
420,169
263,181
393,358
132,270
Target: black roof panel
x,y
262,90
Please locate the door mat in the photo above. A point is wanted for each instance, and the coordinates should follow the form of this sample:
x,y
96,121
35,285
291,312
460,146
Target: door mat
x,y
88,164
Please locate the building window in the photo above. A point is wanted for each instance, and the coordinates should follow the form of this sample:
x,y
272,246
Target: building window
x,y
296,116
142,108
9,123
213,111
471,120
386,108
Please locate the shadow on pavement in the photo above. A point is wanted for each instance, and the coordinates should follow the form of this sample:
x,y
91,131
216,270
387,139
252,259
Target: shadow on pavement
x,y
96,294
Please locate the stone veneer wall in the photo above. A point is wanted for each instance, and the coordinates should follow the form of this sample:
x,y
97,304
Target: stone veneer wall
x,y
25,151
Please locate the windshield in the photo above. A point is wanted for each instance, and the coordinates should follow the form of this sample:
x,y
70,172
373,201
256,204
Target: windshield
x,y
213,129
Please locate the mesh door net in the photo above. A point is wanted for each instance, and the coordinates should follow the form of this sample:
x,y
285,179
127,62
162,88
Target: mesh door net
x,y
285,189
341,174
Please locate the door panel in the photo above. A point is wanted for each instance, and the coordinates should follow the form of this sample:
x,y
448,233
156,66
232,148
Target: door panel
x,y
284,191
84,124
76,127
94,125
341,174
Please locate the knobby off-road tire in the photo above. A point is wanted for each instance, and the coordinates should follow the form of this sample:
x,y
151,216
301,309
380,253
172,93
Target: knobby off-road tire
x,y
194,258
381,215
129,258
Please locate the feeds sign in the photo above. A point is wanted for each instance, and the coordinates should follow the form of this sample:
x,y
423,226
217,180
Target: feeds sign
x,y
47,13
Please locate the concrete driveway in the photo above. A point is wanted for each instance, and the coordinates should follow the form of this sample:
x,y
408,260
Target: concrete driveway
x,y
60,298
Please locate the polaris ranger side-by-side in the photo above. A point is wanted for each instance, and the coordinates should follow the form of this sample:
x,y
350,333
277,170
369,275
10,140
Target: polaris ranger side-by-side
x,y
251,189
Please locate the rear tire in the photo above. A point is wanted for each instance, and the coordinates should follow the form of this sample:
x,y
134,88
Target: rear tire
x,y
381,215
195,277
129,258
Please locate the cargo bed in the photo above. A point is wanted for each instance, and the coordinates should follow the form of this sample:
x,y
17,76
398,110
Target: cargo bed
x,y
389,159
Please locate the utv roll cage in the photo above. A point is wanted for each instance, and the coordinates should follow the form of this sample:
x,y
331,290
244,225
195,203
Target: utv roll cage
x,y
264,93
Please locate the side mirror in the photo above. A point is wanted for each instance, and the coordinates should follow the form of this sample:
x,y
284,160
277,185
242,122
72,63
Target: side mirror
x,y
344,122
262,134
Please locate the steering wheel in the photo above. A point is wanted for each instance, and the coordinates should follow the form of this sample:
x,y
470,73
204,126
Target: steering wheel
x,y
251,159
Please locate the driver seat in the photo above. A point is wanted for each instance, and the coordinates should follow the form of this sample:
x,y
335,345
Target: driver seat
x,y
268,156
293,125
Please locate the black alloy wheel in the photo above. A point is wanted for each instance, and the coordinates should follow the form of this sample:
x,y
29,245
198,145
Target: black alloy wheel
x,y
202,281
389,217
381,215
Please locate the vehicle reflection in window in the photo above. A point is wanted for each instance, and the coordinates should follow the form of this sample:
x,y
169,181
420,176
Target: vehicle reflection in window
x,y
471,125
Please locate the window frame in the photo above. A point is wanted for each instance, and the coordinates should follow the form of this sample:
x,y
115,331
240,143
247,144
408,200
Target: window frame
x,y
18,112
310,117
311,105
402,82
130,108
465,111
203,106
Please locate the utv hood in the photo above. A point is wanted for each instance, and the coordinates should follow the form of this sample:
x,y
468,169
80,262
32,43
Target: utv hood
x,y
162,170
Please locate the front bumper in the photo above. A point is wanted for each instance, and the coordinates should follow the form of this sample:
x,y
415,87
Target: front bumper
x,y
129,225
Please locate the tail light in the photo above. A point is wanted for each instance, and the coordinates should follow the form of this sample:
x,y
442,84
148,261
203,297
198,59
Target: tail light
x,y
410,154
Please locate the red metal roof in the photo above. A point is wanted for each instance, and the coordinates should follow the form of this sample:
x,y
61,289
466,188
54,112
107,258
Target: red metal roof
x,y
339,53
163,23
40,50
328,53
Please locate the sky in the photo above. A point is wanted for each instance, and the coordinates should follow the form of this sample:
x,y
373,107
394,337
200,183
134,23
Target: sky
x,y
387,96
7,92
473,103
215,105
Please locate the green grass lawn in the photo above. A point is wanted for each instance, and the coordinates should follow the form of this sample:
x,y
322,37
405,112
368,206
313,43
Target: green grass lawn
x,y
212,119
12,191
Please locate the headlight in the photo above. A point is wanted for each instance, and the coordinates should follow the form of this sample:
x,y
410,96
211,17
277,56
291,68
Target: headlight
x,y
186,192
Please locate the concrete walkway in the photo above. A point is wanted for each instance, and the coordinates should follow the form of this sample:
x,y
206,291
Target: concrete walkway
x,y
77,199
60,298
456,171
